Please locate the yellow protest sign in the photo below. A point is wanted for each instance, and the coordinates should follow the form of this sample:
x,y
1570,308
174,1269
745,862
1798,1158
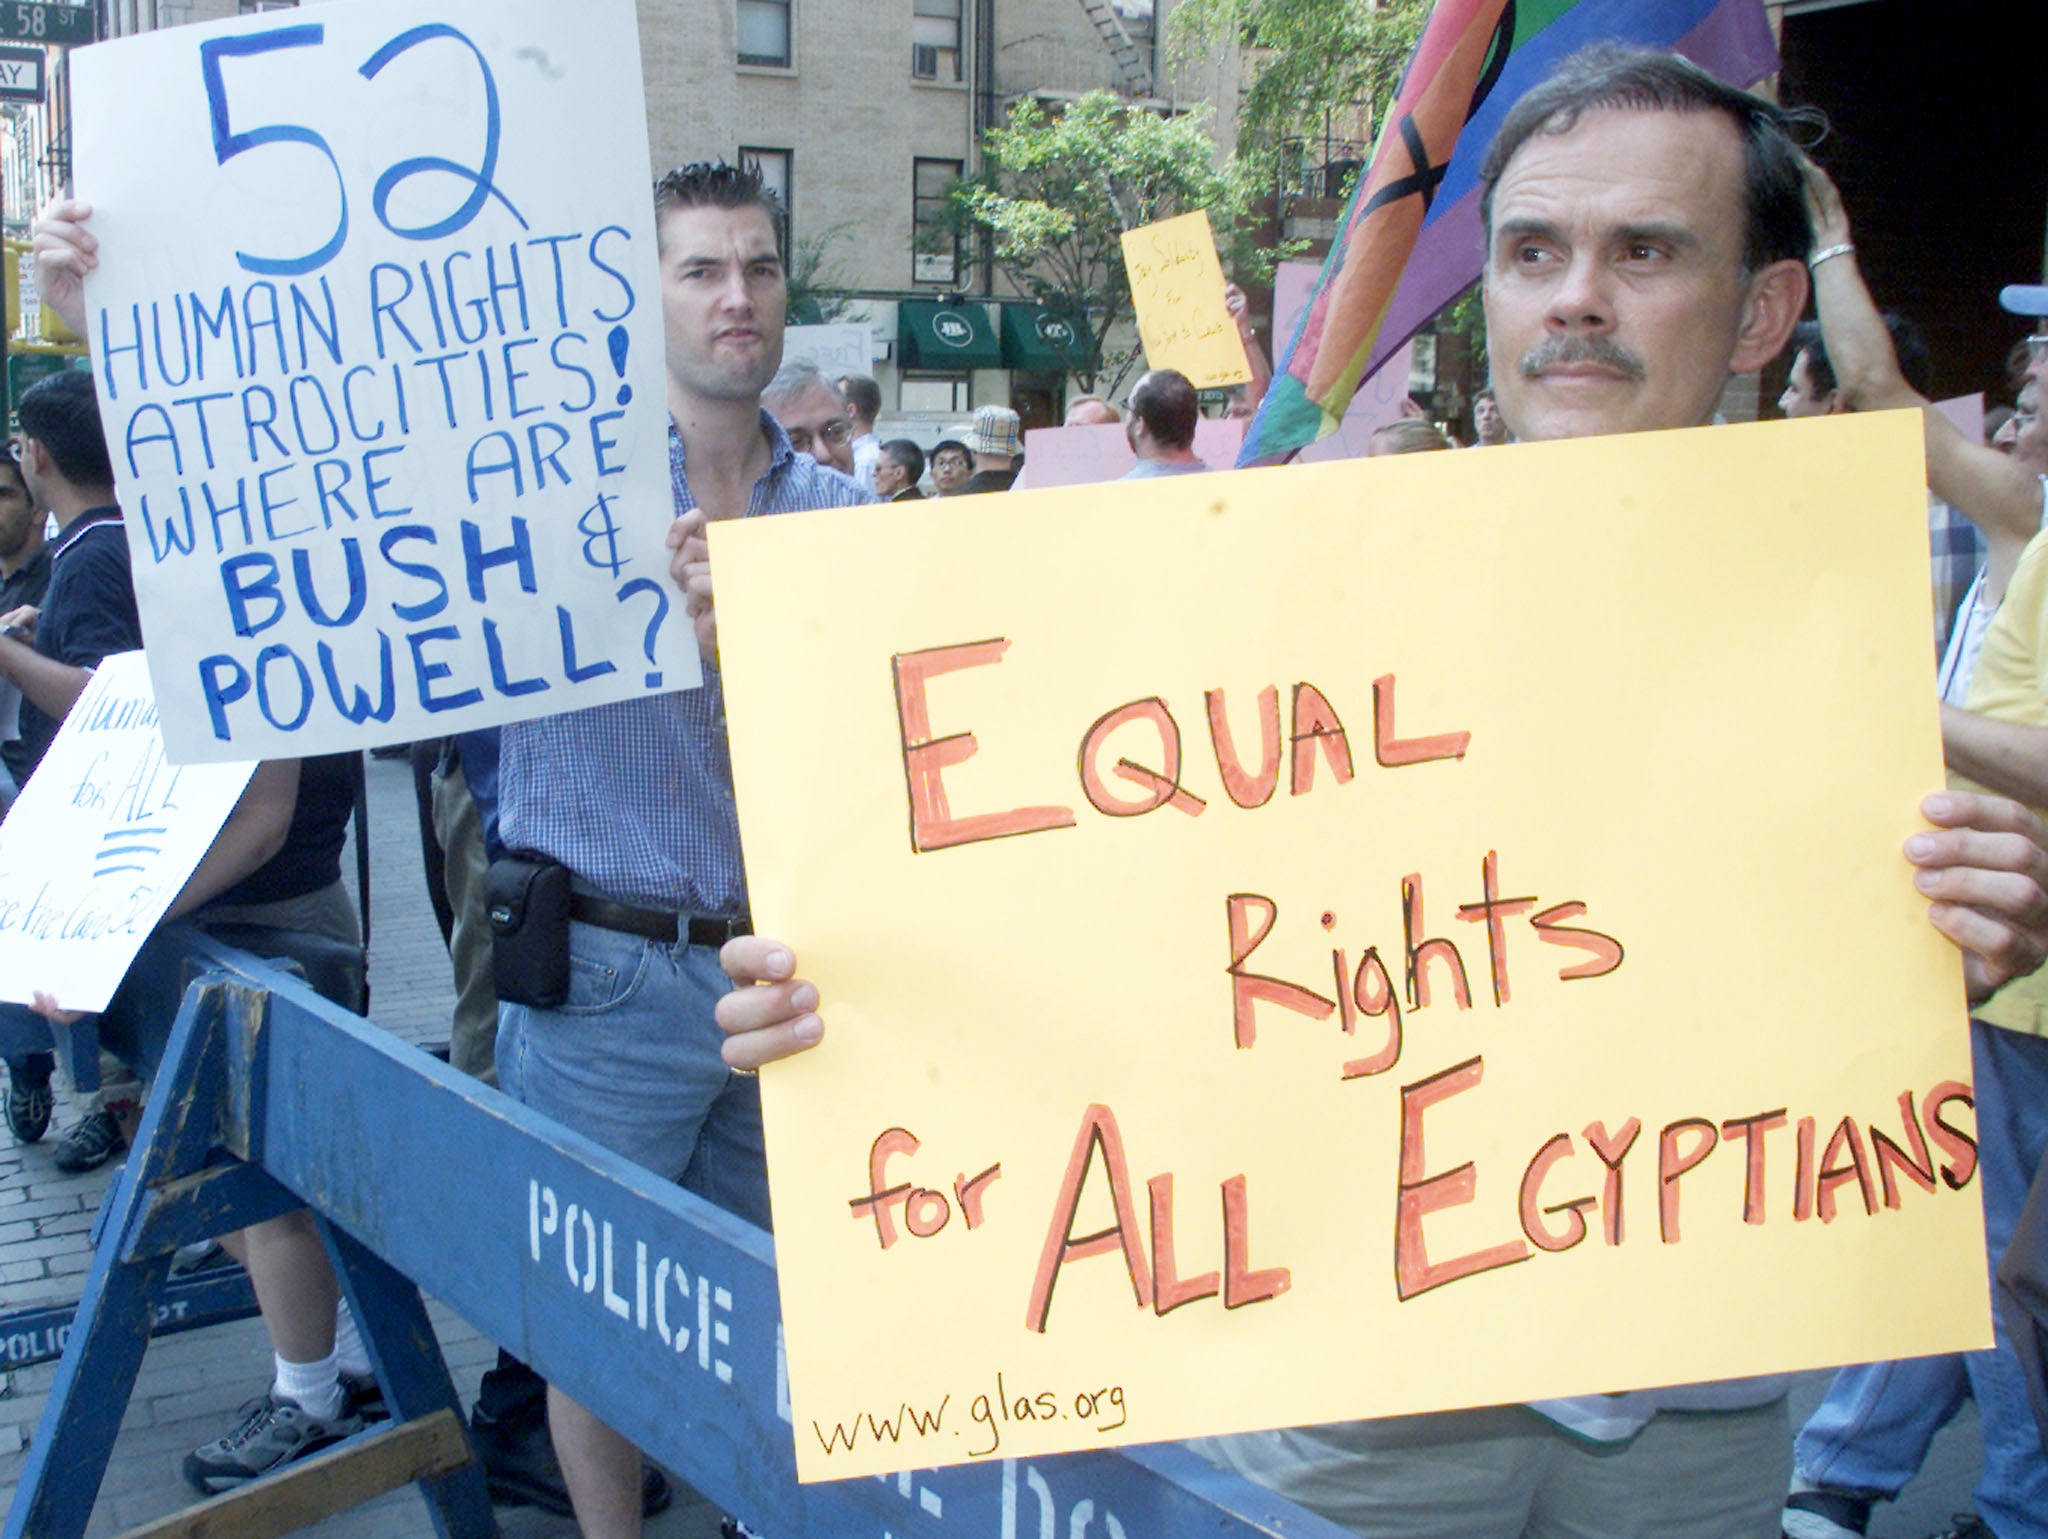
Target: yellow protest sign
x,y
1352,939
1177,290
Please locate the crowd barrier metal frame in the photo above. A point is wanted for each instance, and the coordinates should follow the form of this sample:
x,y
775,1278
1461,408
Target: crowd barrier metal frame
x,y
640,1300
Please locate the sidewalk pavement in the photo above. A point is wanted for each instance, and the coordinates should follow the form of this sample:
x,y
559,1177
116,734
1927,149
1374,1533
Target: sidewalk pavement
x,y
190,1385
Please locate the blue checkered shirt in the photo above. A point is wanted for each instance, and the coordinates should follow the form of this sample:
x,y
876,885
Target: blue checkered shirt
x,y
636,797
1955,552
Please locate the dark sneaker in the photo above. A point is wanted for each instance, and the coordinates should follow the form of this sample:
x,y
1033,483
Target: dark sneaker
x,y
733,1528
96,1139
365,1397
520,1468
272,1434
28,1106
1966,1525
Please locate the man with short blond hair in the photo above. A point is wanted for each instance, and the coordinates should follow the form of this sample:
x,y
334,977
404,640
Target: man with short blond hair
x,y
863,398
635,797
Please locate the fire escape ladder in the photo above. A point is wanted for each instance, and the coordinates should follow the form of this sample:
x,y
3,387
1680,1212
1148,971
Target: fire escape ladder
x,y
1131,66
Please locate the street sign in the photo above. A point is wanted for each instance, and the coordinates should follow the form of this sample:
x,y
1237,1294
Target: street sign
x,y
66,25
21,74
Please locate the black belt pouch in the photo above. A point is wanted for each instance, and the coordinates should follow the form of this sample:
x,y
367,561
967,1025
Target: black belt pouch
x,y
527,899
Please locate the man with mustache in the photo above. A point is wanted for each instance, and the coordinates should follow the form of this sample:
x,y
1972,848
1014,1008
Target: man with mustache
x,y
1647,238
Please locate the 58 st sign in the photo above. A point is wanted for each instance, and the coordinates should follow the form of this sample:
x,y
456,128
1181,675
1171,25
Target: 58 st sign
x,y
68,25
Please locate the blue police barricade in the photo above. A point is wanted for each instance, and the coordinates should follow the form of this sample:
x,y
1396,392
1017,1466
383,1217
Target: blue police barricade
x,y
641,1301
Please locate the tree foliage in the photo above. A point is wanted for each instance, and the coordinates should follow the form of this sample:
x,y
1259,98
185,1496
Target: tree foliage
x,y
820,286
1056,192
1311,63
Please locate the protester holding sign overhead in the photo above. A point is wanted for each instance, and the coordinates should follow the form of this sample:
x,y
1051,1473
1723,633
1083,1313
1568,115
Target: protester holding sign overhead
x,y
271,883
1646,239
387,403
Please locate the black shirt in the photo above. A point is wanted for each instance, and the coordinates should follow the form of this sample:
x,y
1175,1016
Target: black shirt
x,y
990,481
88,612
311,857
25,585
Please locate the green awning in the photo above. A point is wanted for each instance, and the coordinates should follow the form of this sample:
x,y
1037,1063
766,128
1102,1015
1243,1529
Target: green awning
x,y
951,337
1037,340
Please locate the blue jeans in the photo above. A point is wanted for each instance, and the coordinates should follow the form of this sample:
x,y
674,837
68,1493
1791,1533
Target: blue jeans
x,y
1871,1433
630,1060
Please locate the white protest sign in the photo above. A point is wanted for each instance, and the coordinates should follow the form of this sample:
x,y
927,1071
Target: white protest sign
x,y
101,840
377,335
834,351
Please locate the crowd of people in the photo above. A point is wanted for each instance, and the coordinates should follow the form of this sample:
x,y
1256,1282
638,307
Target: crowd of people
x,y
1651,232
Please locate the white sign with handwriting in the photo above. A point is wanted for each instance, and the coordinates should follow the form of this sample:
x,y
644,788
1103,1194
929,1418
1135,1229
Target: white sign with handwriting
x,y
100,841
377,335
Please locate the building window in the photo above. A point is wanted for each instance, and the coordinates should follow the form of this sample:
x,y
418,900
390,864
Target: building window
x,y
764,32
935,243
937,394
774,168
935,40
255,7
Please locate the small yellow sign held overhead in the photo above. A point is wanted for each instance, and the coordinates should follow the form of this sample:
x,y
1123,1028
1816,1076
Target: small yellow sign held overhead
x,y
1350,939
1177,289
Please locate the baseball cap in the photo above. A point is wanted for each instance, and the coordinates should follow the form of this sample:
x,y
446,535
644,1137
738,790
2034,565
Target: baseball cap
x,y
2025,298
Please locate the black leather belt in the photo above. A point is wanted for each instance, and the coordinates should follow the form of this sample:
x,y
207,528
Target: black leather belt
x,y
658,924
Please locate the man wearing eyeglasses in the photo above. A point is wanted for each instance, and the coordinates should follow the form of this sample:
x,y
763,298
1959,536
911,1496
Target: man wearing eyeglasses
x,y
813,415
2031,299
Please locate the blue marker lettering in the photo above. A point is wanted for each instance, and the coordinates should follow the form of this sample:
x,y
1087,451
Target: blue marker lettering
x,y
625,289
569,367
266,660
374,483
476,561
348,405
577,674
381,308
223,681
330,494
309,597
387,547
509,687
428,674
600,441
251,576
352,701
134,439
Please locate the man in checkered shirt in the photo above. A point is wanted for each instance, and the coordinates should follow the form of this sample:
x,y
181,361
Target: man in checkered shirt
x,y
636,799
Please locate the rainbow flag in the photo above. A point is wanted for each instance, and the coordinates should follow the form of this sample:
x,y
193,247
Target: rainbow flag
x,y
1411,240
